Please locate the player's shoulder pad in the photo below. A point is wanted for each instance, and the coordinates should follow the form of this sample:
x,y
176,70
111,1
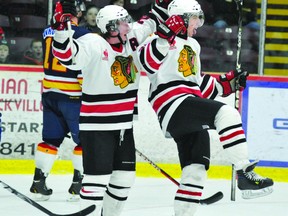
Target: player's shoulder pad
x,y
48,32
79,31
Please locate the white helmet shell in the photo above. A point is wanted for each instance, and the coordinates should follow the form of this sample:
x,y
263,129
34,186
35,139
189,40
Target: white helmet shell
x,y
107,15
186,8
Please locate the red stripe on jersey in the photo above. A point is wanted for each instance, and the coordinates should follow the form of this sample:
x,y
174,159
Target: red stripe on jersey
x,y
190,193
209,90
61,81
66,55
150,60
106,108
234,134
178,91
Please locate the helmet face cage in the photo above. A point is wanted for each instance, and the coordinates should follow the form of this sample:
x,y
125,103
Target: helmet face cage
x,y
186,9
109,18
113,25
187,16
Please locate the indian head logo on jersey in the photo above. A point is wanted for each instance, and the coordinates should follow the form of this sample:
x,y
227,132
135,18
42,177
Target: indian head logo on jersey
x,y
123,71
187,63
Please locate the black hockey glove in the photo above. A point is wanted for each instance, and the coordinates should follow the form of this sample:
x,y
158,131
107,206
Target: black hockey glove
x,y
64,11
172,27
228,81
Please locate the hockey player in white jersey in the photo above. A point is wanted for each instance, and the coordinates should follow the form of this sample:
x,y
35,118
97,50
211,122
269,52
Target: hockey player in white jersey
x,y
182,98
109,90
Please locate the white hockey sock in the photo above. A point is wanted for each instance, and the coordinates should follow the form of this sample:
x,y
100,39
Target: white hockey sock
x,y
232,137
190,190
117,192
92,192
77,159
45,156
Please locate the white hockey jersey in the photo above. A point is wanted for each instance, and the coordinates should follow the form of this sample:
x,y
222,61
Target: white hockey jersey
x,y
175,74
110,77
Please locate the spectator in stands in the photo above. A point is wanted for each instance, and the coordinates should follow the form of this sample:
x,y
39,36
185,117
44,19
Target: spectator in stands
x,y
2,33
5,57
34,55
226,13
117,2
89,21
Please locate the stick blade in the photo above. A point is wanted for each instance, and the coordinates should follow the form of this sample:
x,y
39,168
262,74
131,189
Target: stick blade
x,y
83,212
212,199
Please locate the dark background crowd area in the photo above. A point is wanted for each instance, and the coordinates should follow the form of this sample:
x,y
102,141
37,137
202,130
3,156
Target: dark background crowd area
x,y
23,21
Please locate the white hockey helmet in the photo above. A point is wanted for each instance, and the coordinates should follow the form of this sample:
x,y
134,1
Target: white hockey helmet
x,y
108,17
187,9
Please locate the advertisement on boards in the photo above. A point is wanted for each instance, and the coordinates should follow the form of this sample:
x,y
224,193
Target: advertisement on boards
x,y
21,108
265,120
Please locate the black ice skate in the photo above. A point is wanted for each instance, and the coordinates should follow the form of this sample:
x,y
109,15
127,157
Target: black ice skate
x,y
75,187
39,189
251,184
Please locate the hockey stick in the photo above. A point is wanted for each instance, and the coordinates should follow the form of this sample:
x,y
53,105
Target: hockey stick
x,y
210,200
83,212
239,4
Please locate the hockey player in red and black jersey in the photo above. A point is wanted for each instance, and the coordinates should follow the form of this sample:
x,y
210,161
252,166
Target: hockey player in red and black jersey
x,y
61,100
109,94
182,98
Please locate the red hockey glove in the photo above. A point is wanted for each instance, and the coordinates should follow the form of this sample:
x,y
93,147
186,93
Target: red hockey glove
x,y
163,3
64,11
172,27
228,81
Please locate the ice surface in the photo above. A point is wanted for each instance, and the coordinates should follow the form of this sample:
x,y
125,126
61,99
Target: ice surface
x,y
149,197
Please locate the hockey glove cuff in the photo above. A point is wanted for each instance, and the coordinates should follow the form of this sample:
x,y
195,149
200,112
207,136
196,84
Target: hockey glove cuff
x,y
228,81
172,27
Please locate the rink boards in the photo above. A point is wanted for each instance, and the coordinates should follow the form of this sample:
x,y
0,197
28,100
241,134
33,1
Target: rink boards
x,y
264,118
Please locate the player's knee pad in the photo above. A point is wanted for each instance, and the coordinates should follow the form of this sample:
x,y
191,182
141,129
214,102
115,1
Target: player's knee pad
x,y
201,149
226,117
194,173
45,156
77,159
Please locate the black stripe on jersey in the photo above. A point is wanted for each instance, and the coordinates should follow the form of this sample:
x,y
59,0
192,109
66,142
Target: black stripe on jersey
x,y
164,86
62,46
142,60
155,51
205,81
204,85
162,14
109,97
154,18
164,109
135,112
106,119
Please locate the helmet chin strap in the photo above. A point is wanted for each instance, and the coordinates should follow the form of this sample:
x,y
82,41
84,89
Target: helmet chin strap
x,y
119,38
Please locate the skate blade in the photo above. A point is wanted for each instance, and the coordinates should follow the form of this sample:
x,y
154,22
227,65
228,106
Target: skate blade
x,y
252,194
73,198
40,197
